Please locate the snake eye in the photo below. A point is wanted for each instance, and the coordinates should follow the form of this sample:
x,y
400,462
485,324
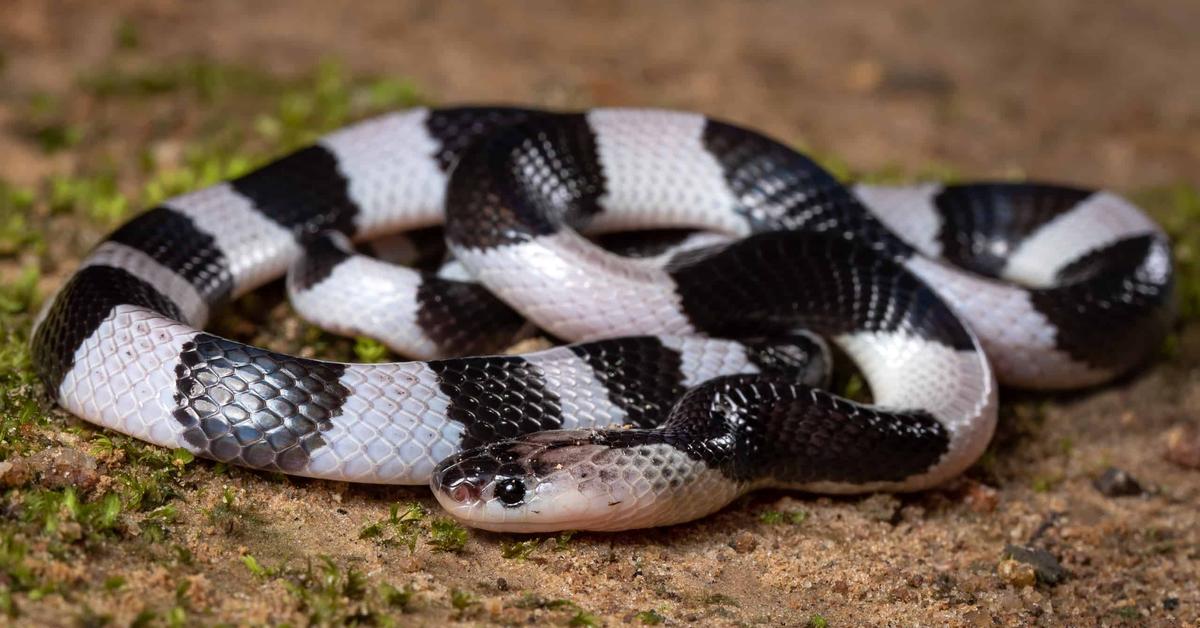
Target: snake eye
x,y
510,491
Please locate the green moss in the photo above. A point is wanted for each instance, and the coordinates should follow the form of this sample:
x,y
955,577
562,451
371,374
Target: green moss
x,y
398,599
138,511
20,295
519,550
446,535
22,417
126,35
17,233
650,617
461,600
855,388
370,350
817,621
63,515
257,569
298,111
563,540
231,517
202,78
95,196
150,479
776,517
143,619
156,523
402,527
1177,209
18,575
1044,484
328,594
583,618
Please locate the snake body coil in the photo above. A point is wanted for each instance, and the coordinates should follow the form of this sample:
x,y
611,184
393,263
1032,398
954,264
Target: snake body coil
x,y
698,346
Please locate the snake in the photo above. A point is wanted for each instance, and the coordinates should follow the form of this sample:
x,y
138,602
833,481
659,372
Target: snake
x,y
698,371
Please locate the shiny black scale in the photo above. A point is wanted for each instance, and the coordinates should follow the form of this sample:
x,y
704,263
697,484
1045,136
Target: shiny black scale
x,y
303,192
463,318
641,375
173,240
497,397
778,188
79,308
755,427
776,282
255,407
526,180
982,224
644,377
1112,305
457,128
322,254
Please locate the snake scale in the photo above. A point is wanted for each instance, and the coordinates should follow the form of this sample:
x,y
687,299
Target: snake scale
x,y
698,368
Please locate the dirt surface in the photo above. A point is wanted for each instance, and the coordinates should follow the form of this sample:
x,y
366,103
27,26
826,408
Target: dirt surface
x,y
1099,94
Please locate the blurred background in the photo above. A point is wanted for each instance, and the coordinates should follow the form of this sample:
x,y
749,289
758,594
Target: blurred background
x,y
108,107
1097,93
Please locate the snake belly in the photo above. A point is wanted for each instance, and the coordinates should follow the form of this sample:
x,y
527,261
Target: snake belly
x,y
1059,287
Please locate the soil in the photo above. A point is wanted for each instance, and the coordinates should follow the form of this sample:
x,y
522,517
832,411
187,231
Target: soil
x,y
1090,93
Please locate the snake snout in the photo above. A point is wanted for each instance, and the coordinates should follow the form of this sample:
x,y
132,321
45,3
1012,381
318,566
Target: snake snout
x,y
461,478
464,492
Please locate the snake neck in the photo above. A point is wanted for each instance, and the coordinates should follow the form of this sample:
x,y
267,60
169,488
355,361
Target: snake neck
x,y
772,431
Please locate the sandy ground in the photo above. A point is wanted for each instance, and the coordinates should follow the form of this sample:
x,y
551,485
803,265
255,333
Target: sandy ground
x,y
1099,94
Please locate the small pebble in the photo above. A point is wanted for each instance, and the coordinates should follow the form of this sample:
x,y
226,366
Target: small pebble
x,y
1183,446
1117,483
1016,573
1045,565
881,507
981,498
14,473
745,543
60,467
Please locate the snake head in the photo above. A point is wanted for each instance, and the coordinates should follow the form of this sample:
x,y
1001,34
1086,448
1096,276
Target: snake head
x,y
527,484
560,480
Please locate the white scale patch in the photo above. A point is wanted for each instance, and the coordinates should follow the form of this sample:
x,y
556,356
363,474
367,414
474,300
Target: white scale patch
x,y
578,291
701,359
166,281
257,249
658,174
453,270
645,499
908,211
393,428
1100,220
363,296
394,178
956,387
1019,340
585,401
123,376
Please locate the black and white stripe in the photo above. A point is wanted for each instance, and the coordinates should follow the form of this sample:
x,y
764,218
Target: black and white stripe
x,y
119,344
